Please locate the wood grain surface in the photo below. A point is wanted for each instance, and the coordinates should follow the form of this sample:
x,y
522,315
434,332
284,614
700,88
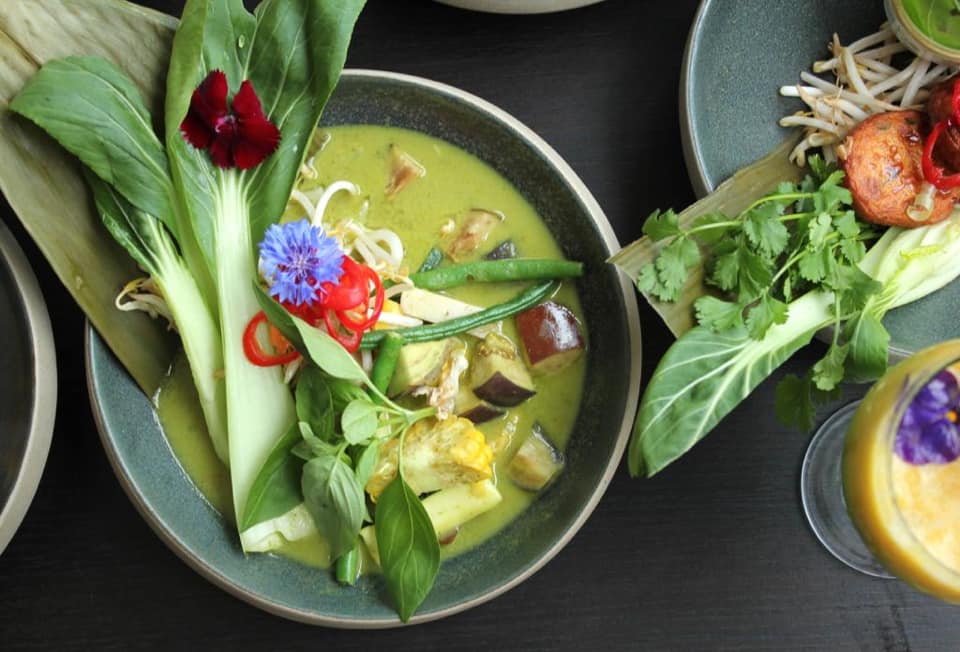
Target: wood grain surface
x,y
714,553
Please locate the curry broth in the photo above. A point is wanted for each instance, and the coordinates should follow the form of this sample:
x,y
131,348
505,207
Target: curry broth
x,y
454,183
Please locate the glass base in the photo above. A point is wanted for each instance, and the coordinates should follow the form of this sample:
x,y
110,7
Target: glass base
x,y
821,488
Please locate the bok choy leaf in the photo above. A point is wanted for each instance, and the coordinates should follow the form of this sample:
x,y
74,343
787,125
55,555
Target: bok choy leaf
x,y
108,127
292,52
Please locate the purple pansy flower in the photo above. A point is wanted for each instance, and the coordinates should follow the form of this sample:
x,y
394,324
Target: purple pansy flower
x,y
928,432
295,258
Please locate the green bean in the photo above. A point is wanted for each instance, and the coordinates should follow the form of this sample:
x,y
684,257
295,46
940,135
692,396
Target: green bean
x,y
490,271
429,332
386,363
348,566
432,261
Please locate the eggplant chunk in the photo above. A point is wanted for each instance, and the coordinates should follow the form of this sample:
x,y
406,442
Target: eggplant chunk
x,y
551,337
498,375
469,406
536,462
503,251
420,364
474,232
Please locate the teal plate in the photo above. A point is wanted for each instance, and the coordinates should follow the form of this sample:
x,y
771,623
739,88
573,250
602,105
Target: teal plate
x,y
171,504
739,53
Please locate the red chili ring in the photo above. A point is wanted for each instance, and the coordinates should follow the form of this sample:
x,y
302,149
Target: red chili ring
x,y
255,354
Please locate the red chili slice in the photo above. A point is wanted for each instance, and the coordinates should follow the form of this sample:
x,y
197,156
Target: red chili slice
x,y
932,172
255,354
348,339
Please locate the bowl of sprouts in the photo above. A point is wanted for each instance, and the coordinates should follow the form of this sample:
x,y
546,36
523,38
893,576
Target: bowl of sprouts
x,y
355,352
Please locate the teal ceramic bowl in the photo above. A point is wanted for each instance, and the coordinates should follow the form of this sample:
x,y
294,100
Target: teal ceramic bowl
x,y
165,496
736,60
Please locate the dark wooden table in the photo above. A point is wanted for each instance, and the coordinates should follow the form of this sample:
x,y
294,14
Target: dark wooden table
x,y
713,553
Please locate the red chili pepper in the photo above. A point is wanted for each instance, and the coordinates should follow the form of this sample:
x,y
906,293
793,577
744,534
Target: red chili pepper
x,y
932,172
255,354
348,338
955,100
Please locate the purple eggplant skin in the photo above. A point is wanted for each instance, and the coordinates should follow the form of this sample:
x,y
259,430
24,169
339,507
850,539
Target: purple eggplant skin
x,y
500,390
482,412
504,250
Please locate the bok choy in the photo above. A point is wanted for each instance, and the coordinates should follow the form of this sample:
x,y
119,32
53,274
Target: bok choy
x,y
189,207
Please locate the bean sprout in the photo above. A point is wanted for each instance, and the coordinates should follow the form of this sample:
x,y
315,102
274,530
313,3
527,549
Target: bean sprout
x,y
865,82
144,295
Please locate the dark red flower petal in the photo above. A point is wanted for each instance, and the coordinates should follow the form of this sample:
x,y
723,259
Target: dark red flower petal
x,y
258,138
221,150
208,105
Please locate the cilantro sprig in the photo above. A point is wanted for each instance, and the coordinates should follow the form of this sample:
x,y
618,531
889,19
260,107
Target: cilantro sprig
x,y
803,237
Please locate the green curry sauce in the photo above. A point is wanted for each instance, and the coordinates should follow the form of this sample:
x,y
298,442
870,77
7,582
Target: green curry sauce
x,y
937,19
454,183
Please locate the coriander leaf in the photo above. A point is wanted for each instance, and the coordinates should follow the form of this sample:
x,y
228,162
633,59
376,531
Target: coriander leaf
x,y
819,229
869,342
674,262
712,235
409,550
831,194
765,231
335,500
314,403
846,225
718,315
763,315
813,265
819,167
756,274
660,226
725,271
786,188
828,371
853,250
792,402
854,287
647,281
359,421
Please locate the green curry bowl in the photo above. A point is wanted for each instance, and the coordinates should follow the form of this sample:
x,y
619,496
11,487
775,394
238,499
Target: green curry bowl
x,y
175,508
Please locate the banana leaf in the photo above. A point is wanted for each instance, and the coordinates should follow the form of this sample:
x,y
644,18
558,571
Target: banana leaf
x,y
44,185
731,197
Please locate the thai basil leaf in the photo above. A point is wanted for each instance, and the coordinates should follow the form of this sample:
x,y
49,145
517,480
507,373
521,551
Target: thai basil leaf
x,y
314,404
359,421
335,500
328,354
107,127
276,489
704,375
313,446
367,462
344,392
409,550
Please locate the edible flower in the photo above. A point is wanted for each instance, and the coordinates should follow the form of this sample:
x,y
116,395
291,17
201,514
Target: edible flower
x,y
300,262
928,432
311,278
238,136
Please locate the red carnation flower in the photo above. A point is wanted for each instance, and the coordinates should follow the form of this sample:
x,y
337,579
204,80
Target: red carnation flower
x,y
240,136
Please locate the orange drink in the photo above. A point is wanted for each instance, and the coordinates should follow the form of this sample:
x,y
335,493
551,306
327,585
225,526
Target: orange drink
x,y
901,470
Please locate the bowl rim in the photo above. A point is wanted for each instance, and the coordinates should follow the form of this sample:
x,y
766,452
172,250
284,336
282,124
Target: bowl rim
x,y
44,408
609,238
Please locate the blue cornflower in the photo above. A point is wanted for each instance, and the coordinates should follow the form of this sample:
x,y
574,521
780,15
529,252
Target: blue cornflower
x,y
928,432
295,258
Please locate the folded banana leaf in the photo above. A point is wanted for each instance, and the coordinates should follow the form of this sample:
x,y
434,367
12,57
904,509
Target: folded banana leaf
x,y
731,197
43,183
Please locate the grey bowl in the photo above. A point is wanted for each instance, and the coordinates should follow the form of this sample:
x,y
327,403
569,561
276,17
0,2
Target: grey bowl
x,y
28,385
739,53
178,513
